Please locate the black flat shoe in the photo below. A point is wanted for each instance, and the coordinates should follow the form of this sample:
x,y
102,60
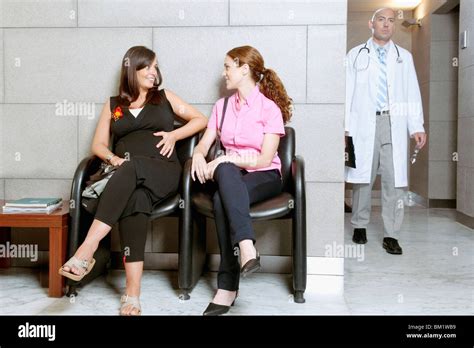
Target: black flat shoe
x,y
252,265
359,236
391,246
217,309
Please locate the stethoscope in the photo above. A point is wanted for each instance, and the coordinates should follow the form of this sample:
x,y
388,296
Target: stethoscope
x,y
399,59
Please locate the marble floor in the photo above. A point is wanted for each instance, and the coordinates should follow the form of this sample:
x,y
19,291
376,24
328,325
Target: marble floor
x,y
435,275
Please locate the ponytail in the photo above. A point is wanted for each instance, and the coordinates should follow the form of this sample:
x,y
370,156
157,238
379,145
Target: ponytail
x,y
272,88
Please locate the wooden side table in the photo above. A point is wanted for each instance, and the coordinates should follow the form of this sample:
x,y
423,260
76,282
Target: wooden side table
x,y
57,222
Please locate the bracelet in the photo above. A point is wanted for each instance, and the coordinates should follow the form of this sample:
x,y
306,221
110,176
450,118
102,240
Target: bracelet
x,y
109,157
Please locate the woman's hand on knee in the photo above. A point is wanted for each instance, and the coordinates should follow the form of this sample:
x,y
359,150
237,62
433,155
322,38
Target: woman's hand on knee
x,y
212,166
199,168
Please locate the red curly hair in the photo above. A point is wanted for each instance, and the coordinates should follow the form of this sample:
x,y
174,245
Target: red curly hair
x,y
270,84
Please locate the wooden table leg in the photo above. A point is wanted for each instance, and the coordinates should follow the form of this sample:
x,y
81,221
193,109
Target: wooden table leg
x,y
5,236
57,257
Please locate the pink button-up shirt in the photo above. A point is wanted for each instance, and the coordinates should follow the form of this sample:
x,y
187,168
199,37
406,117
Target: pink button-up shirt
x,y
246,123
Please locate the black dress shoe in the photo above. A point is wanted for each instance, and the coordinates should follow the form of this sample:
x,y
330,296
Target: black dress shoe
x,y
359,236
252,265
217,309
391,246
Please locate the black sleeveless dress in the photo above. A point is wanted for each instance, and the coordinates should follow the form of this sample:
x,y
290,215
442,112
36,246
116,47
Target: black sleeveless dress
x,y
157,176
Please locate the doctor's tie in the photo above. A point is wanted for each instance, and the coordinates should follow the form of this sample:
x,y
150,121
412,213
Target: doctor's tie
x,y
382,83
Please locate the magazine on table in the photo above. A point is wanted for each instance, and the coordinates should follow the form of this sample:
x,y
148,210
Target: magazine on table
x,y
32,205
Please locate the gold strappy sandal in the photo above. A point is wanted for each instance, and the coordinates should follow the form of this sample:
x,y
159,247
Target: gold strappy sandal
x,y
77,263
132,301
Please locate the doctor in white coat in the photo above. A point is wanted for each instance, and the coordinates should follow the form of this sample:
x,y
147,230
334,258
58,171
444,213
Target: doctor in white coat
x,y
383,108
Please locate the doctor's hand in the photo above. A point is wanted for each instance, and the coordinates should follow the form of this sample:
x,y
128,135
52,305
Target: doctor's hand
x,y
420,139
168,142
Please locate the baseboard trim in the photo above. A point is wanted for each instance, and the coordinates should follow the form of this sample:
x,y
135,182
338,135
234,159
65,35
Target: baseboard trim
x,y
325,274
270,263
316,265
333,266
442,203
153,261
465,220
417,199
323,285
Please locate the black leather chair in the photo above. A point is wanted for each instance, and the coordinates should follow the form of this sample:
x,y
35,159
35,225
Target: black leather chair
x,y
80,219
290,204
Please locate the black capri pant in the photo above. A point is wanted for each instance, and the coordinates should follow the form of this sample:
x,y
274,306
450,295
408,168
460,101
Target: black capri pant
x,y
128,199
236,190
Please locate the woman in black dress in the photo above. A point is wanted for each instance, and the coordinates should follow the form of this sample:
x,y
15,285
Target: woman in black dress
x,y
141,119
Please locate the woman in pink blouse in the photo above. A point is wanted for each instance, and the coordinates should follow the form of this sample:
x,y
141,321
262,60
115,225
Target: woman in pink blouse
x,y
250,169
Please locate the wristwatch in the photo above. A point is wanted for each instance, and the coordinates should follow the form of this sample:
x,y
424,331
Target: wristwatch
x,y
109,157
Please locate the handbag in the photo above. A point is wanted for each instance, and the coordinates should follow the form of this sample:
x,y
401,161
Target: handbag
x,y
217,149
95,187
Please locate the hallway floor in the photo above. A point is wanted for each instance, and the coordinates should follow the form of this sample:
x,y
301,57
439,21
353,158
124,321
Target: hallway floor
x,y
435,275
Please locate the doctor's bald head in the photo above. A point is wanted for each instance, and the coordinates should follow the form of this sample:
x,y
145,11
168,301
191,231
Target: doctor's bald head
x,y
382,24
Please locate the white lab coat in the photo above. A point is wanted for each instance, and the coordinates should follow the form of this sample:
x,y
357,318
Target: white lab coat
x,y
404,104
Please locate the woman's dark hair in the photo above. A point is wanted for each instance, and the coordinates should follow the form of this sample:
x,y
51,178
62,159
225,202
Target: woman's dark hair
x,y
137,58
270,84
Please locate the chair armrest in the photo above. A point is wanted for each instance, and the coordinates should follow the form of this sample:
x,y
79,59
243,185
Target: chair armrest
x,y
299,192
81,174
186,181
297,174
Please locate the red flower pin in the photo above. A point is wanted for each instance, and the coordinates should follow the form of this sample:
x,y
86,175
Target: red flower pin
x,y
117,114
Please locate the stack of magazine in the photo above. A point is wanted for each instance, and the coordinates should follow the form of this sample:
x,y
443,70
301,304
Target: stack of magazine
x,y
33,205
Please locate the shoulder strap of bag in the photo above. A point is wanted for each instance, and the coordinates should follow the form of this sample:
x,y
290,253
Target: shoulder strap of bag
x,y
223,115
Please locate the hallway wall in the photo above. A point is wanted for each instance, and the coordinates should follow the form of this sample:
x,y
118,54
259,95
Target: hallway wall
x,y
433,176
465,165
55,52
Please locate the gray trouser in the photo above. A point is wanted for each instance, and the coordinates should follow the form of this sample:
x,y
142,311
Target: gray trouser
x,y
392,197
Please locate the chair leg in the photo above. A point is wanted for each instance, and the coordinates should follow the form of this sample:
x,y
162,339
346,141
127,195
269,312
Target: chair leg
x,y
199,249
185,253
184,294
299,297
299,257
71,291
192,253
